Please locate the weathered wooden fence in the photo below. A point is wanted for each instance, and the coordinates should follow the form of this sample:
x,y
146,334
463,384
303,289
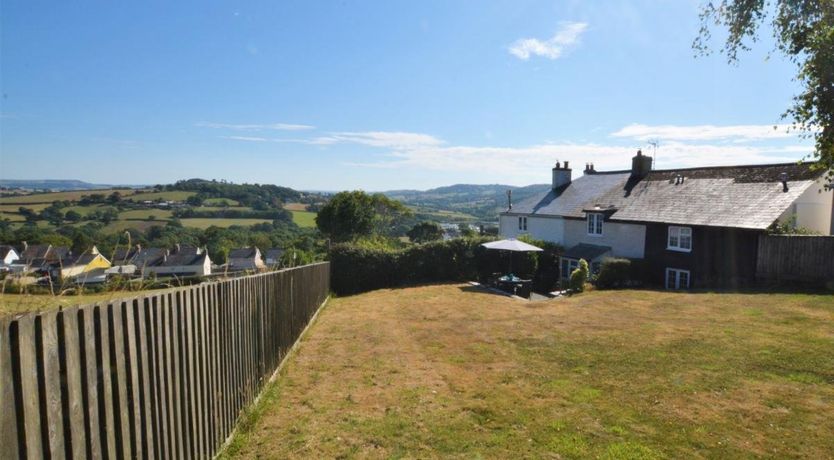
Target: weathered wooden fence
x,y
158,376
808,259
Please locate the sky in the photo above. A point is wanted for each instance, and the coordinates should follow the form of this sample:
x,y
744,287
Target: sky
x,y
376,95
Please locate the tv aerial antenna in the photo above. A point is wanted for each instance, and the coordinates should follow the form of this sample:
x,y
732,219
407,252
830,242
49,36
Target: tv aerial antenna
x,y
655,143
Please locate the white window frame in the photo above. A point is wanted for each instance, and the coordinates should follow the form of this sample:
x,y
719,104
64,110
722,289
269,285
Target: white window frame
x,y
677,278
677,233
594,223
573,264
522,223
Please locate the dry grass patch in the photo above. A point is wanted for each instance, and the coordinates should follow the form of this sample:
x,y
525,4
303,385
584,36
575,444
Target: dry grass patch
x,y
444,371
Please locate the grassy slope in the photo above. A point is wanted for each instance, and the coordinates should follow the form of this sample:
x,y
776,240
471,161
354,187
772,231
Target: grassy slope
x,y
304,218
449,371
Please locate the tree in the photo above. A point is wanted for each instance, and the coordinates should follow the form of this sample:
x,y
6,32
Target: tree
x,y
804,32
467,231
347,215
425,232
194,200
73,216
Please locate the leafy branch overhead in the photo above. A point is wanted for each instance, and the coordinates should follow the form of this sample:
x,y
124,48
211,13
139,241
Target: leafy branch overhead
x,y
804,32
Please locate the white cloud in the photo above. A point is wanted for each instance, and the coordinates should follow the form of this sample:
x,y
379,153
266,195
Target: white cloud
x,y
257,127
396,140
247,138
705,132
567,36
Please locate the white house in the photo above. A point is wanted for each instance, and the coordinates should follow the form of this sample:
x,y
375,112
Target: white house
x,y
184,261
8,255
242,259
699,224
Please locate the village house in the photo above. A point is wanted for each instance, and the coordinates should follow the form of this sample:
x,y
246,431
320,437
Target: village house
x,y
244,259
40,257
183,261
694,227
133,261
8,255
272,257
83,264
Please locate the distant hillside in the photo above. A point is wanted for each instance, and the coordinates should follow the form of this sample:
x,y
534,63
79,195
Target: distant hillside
x,y
481,201
58,185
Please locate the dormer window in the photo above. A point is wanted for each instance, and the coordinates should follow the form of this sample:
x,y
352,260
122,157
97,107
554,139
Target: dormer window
x,y
522,224
595,223
680,239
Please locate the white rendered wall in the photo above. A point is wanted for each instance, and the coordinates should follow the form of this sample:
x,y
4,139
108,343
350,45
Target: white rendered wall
x,y
625,240
812,209
541,228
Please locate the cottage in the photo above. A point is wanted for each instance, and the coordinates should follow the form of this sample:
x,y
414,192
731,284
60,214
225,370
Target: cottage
x,y
693,227
272,257
40,257
245,259
8,255
82,265
134,261
183,261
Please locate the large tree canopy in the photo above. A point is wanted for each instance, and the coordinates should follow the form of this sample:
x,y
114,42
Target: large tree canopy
x,y
804,32
349,215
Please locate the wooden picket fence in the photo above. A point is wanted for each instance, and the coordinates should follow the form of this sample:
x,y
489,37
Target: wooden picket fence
x,y
162,375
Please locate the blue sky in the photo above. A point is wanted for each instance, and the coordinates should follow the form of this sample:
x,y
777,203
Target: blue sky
x,y
375,94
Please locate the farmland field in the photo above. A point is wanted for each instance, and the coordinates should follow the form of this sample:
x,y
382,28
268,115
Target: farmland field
x,y
452,371
206,223
144,214
304,218
295,207
59,196
175,195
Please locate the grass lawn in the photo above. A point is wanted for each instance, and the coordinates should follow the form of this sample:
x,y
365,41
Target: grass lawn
x,y
206,223
220,202
304,218
449,371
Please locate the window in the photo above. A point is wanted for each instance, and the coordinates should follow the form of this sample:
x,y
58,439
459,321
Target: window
x,y
680,239
677,278
522,224
568,266
594,223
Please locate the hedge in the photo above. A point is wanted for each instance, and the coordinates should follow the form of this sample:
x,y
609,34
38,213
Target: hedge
x,y
356,269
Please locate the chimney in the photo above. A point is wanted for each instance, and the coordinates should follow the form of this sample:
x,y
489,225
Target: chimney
x,y
640,165
561,176
783,177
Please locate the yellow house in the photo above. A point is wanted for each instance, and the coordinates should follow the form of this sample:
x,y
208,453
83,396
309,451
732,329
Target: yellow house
x,y
84,263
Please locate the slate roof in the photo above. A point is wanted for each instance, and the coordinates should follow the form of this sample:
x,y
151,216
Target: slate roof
x,y
35,251
185,257
139,257
588,252
735,196
243,253
273,253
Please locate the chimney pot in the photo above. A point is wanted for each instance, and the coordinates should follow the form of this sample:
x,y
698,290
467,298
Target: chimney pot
x,y
566,165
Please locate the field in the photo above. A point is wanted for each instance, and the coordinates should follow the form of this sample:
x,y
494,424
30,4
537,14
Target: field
x,y
450,371
206,223
175,195
11,304
59,196
295,207
304,218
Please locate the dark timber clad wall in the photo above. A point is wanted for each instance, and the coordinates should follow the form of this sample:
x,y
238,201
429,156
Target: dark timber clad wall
x,y
160,376
720,257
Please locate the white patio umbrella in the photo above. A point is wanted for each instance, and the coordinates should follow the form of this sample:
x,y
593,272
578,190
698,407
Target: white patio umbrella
x,y
512,245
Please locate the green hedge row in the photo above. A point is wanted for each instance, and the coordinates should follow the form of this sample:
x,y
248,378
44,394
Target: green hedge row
x,y
357,269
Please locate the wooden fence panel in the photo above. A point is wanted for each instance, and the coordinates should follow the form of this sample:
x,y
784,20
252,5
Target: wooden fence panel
x,y
796,258
158,376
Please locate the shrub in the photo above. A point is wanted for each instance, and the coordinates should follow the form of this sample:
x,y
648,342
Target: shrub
x,y
618,273
579,277
614,273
